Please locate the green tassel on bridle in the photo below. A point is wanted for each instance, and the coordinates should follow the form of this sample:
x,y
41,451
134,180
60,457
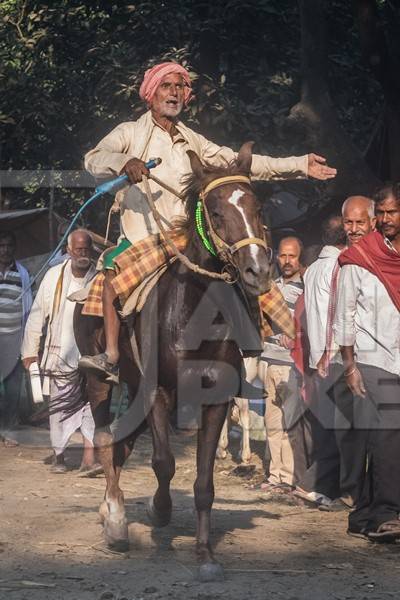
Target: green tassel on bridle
x,y
200,228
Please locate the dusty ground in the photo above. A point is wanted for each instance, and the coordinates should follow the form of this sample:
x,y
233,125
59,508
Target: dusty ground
x,y
51,543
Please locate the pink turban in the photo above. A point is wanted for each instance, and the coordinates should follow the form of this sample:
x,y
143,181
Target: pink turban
x,y
154,76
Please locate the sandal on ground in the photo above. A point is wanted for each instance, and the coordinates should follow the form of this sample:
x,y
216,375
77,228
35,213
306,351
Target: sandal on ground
x,y
387,532
313,498
100,365
8,442
90,470
59,468
334,506
358,533
276,488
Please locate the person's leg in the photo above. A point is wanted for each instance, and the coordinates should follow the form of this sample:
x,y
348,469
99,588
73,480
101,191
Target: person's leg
x,y
383,389
323,474
112,323
88,459
294,453
274,422
286,391
107,363
352,438
89,465
59,441
12,392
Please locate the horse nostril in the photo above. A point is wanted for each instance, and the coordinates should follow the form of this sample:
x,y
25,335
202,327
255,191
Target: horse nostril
x,y
252,272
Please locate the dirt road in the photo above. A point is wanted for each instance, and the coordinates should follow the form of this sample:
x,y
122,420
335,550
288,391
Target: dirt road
x,y
51,543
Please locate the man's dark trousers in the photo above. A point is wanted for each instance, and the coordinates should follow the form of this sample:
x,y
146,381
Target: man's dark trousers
x,y
377,418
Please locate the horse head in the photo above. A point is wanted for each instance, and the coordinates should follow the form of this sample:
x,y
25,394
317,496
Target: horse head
x,y
232,219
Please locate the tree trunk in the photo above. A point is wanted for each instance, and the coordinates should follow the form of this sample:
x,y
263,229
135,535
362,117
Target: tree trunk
x,y
207,64
384,152
314,122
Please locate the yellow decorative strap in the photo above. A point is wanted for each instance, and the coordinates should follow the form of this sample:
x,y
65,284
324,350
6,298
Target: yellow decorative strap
x,y
223,181
247,242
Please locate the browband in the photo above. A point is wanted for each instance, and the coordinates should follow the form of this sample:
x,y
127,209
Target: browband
x,y
223,181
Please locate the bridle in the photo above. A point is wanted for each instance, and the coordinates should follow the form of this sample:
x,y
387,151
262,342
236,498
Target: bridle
x,y
223,250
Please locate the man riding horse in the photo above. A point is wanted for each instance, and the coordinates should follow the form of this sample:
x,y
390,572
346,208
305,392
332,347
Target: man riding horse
x,y
166,89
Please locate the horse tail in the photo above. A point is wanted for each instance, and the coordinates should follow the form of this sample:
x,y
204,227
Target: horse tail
x,y
70,393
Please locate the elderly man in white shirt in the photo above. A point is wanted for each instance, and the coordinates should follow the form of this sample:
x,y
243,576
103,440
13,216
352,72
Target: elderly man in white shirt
x,y
321,480
367,328
59,361
166,89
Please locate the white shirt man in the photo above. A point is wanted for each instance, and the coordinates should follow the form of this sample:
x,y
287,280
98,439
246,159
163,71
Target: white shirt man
x,y
61,355
322,477
367,328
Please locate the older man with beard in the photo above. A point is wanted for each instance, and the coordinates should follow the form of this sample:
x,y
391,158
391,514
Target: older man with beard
x,y
59,362
367,328
166,89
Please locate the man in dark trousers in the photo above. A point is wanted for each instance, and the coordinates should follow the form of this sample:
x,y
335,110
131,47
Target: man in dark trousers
x,y
367,328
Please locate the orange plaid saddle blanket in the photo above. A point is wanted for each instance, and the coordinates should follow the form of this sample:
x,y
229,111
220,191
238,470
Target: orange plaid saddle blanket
x,y
143,258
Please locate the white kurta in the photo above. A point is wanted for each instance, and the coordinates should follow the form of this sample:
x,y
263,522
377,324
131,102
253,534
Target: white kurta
x,y
317,290
146,139
61,354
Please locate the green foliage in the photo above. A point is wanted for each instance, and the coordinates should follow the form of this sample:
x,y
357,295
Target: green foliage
x,y
71,71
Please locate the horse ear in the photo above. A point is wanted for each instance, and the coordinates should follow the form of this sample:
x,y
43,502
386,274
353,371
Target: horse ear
x,y
244,158
196,164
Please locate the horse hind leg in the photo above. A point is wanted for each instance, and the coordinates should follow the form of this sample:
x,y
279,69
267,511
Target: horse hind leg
x,y
213,417
163,461
223,442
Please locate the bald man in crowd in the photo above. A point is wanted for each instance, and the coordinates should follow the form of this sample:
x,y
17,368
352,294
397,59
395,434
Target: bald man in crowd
x,y
283,406
60,357
358,214
358,221
320,483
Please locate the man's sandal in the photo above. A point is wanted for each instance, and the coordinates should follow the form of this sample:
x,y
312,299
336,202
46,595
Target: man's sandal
x,y
387,533
100,365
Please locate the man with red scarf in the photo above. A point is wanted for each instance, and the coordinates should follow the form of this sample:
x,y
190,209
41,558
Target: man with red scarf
x,y
367,329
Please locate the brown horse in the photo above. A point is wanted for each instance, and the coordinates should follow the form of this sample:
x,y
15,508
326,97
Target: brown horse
x,y
191,334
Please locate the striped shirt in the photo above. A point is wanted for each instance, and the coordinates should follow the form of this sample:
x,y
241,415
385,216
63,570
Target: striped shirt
x,y
10,308
273,351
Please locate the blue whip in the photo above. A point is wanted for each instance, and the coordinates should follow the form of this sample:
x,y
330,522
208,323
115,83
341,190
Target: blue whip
x,y
104,188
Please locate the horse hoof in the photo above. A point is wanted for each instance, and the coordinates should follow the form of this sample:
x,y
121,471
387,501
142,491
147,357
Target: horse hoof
x,y
211,571
103,512
121,545
221,454
157,518
116,535
115,530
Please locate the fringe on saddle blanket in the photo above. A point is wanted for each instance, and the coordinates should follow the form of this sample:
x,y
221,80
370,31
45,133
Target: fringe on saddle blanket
x,y
146,256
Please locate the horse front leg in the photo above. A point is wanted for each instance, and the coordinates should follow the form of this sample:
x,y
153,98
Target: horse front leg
x,y
163,461
213,417
112,453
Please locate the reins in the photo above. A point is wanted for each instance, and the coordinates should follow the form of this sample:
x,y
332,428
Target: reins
x,y
184,259
223,250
